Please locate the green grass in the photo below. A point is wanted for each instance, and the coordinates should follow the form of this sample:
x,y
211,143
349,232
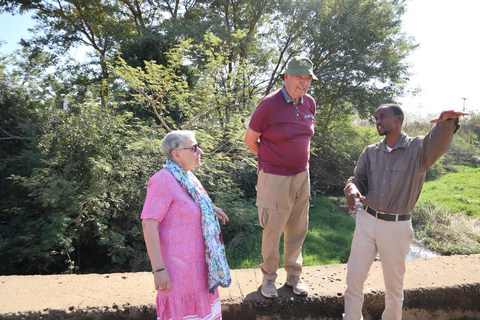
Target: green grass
x,y
447,216
455,191
244,251
328,239
329,234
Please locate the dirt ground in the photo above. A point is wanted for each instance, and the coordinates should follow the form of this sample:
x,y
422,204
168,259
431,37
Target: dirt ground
x,y
23,294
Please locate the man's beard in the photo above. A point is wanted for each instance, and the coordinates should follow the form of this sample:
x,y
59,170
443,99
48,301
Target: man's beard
x,y
383,133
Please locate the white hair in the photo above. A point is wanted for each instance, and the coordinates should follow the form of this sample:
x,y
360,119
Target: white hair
x,y
175,140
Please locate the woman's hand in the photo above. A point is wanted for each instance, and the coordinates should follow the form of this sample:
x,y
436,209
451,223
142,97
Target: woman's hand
x,y
152,241
222,216
162,281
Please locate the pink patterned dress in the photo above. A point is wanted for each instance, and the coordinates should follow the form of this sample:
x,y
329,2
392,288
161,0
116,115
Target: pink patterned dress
x,y
183,250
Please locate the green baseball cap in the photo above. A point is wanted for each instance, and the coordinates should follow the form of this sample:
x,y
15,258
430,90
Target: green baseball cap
x,y
300,66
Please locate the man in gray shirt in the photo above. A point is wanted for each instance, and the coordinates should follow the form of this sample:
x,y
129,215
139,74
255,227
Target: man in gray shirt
x,y
388,180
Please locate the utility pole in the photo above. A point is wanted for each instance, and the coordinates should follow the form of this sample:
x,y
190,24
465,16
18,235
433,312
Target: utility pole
x,y
419,107
464,103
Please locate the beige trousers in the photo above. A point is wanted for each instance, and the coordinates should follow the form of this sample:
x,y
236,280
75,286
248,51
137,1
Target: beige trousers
x,y
283,203
392,241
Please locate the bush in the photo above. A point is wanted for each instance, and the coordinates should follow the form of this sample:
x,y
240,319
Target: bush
x,y
83,201
334,154
436,171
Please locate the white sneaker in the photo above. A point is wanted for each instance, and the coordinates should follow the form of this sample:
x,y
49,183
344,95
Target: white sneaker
x,y
268,288
299,288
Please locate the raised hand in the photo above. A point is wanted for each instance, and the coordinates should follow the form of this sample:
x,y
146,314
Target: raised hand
x,y
447,115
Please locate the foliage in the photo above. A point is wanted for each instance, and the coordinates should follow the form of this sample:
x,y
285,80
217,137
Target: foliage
x,y
87,191
24,99
81,197
334,154
358,46
175,102
360,61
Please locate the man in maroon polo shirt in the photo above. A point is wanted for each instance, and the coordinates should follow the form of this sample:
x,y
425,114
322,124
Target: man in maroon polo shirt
x,y
279,134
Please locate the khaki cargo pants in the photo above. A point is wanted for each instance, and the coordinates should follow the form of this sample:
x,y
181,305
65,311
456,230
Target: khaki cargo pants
x,y
283,203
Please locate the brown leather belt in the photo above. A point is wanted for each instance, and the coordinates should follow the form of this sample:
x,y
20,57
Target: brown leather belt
x,y
388,216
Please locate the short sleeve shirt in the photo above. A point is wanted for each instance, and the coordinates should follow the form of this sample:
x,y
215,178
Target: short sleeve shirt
x,y
286,129
180,232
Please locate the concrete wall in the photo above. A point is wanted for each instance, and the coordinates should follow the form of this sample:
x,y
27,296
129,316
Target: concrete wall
x,y
443,288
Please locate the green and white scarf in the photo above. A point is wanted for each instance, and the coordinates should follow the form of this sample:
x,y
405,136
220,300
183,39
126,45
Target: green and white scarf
x,y
218,270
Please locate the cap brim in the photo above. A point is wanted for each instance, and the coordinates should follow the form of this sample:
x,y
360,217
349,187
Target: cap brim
x,y
282,74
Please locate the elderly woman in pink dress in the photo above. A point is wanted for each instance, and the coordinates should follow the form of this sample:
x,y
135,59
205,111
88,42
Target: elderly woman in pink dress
x,y
182,235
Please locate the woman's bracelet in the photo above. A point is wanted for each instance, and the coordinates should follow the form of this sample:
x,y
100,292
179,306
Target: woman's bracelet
x,y
158,270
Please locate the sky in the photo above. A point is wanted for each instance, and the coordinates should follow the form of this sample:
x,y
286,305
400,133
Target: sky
x,y
445,66
13,28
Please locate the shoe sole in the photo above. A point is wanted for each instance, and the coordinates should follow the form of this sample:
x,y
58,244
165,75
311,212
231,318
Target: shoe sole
x,y
270,297
298,293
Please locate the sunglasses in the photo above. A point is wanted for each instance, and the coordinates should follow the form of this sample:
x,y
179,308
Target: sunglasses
x,y
194,148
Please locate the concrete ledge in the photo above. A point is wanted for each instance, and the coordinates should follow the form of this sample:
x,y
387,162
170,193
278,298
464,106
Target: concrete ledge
x,y
442,288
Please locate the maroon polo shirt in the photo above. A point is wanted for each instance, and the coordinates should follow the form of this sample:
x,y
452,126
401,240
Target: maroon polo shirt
x,y
286,129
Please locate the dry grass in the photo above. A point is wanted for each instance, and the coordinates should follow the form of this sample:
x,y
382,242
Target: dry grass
x,y
446,232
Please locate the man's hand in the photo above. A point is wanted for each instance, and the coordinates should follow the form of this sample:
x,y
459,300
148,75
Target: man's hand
x,y
446,115
352,194
251,140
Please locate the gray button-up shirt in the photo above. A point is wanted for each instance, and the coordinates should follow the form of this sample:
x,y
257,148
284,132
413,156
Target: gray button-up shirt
x,y
392,181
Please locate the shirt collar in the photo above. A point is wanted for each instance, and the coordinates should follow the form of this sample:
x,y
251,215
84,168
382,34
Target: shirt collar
x,y
402,143
287,98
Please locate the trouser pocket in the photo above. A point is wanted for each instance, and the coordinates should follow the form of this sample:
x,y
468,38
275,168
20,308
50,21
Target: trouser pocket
x,y
265,209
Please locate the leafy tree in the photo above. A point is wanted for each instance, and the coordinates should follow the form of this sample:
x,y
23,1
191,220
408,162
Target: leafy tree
x,y
168,93
98,25
84,198
24,102
360,54
201,106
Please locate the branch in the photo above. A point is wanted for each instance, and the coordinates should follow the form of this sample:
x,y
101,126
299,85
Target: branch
x,y
172,11
136,12
154,107
12,137
275,72
202,112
